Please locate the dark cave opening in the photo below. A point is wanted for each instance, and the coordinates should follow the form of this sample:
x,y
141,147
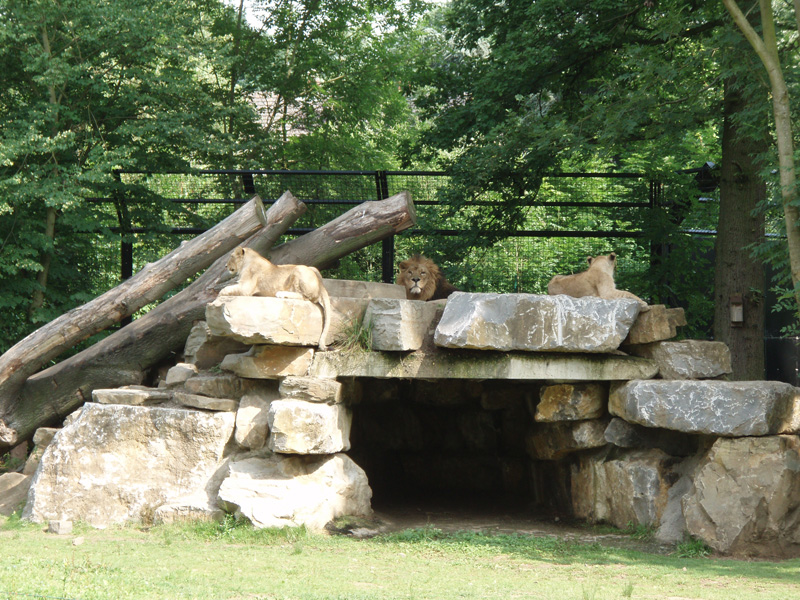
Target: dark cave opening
x,y
451,443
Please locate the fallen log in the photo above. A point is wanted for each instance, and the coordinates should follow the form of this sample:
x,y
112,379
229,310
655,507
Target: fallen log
x,y
125,357
30,354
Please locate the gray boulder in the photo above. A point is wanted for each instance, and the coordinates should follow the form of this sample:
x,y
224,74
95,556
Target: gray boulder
x,y
746,497
726,408
281,491
687,359
300,427
532,322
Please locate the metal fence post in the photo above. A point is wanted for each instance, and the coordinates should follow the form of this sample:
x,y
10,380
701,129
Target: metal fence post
x,y
387,246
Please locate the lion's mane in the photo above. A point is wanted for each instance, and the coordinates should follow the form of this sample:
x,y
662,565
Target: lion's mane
x,y
423,280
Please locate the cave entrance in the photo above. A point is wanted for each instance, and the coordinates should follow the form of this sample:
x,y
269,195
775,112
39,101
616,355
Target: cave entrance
x,y
452,445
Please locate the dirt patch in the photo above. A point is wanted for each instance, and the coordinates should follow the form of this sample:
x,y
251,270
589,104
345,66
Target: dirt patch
x,y
505,520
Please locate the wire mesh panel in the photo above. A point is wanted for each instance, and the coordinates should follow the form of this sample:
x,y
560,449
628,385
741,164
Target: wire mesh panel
x,y
570,216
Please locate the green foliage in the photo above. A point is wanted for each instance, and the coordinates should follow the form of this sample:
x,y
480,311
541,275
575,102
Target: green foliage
x,y
692,548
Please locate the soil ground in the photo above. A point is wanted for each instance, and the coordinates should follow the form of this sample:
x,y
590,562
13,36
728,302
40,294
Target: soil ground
x,y
479,516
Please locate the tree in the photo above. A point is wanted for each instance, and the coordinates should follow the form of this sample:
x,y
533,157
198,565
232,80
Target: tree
x,y
326,78
766,47
89,87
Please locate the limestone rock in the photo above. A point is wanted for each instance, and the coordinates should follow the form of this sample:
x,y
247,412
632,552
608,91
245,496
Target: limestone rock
x,y
281,491
41,440
265,320
117,463
572,402
13,491
658,323
441,364
727,408
134,395
534,323
746,497
270,362
205,350
311,389
687,359
349,288
59,527
629,435
299,427
401,325
205,402
631,488
217,385
180,373
553,441
252,423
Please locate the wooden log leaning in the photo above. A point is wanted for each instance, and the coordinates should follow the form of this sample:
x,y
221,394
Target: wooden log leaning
x,y
148,285
125,357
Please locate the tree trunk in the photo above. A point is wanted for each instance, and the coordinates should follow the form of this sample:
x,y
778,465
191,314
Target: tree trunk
x,y
738,276
767,51
148,285
124,357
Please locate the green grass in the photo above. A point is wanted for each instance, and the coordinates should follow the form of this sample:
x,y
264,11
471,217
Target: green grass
x,y
232,561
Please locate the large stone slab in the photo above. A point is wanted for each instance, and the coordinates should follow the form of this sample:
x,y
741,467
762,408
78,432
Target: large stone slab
x,y
445,364
265,320
631,488
746,497
270,362
530,322
401,325
135,395
281,491
116,463
726,408
300,427
687,359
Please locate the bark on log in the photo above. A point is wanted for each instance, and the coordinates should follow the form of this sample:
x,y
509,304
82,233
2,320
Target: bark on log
x,y
367,223
148,285
124,357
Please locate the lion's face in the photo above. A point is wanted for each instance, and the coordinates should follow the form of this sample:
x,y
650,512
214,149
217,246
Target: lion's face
x,y
419,275
234,263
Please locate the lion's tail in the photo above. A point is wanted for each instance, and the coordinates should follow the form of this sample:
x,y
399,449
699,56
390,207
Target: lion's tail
x,y
325,303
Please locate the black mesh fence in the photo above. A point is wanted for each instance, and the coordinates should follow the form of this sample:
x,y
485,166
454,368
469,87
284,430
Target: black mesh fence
x,y
572,216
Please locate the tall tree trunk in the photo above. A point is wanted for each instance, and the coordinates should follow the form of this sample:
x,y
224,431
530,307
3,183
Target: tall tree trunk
x,y
738,276
767,51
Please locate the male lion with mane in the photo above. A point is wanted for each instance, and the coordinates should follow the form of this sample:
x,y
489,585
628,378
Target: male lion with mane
x,y
423,280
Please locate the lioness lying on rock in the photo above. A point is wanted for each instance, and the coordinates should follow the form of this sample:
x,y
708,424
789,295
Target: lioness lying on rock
x,y
423,280
597,280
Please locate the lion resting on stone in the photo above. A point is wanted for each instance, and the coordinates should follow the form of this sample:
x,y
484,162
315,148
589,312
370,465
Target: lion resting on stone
x,y
260,277
597,280
423,280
